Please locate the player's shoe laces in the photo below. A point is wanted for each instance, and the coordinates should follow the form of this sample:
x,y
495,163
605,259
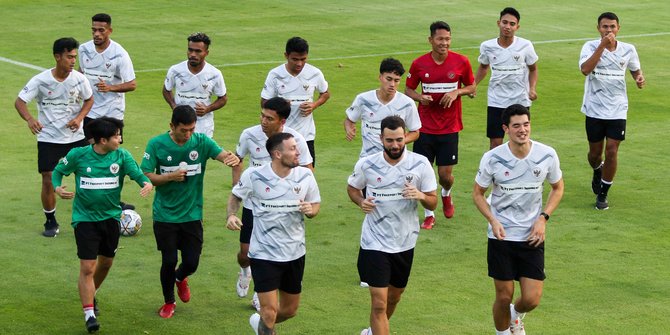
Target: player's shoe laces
x,y
183,291
601,202
255,303
96,311
516,326
595,182
92,325
243,284
254,321
366,331
50,229
428,223
125,206
448,207
167,310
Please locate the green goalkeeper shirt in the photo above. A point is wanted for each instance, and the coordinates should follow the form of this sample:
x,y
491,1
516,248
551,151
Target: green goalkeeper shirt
x,y
99,181
177,202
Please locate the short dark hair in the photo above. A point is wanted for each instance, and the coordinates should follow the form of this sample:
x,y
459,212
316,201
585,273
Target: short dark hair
x,y
298,45
65,44
609,16
183,114
199,37
512,110
391,65
102,17
275,141
103,127
437,25
279,105
511,11
392,122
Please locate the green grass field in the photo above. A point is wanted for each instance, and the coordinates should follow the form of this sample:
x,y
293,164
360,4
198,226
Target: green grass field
x,y
607,271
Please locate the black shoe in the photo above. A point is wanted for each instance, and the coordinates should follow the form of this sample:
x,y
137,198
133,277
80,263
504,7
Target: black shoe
x,y
92,325
125,206
595,182
95,307
50,229
601,202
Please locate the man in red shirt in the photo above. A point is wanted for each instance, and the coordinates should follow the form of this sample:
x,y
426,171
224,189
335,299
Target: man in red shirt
x,y
444,77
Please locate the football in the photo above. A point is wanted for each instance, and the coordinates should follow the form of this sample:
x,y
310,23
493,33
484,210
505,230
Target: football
x,y
130,223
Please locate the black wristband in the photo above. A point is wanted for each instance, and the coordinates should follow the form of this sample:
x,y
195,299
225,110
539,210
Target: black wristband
x,y
545,215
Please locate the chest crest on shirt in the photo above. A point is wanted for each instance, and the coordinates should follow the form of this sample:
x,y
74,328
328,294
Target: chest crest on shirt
x,y
296,189
193,155
204,86
305,87
622,63
409,178
114,168
108,65
536,172
516,58
451,75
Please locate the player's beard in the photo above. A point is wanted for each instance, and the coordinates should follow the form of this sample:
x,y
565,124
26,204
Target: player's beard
x,y
394,155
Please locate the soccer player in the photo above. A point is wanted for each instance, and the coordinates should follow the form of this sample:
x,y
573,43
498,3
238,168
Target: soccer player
x,y
373,106
281,194
296,82
175,162
110,71
64,98
395,181
252,144
193,82
604,63
444,77
513,64
516,171
99,171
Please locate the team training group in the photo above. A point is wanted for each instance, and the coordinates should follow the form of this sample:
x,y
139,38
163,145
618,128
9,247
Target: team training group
x,y
79,130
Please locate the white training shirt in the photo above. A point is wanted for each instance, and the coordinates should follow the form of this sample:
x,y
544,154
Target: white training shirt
x,y
298,89
189,88
393,226
279,226
252,143
114,67
508,84
516,198
57,104
370,111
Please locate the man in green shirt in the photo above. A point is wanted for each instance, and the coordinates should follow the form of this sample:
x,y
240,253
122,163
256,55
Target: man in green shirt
x,y
99,171
175,162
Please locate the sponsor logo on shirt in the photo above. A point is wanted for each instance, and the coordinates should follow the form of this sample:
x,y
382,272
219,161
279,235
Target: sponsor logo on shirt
x,y
147,156
65,161
98,183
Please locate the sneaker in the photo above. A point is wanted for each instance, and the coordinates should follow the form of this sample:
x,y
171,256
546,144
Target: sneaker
x,y
167,310
255,303
92,325
243,284
96,311
366,331
364,284
428,223
183,291
254,321
448,207
595,182
601,202
50,229
125,206
516,327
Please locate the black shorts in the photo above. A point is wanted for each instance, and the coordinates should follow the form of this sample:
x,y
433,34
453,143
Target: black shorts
x,y
285,276
310,147
247,225
97,238
379,269
48,154
88,135
598,129
509,260
443,147
494,122
182,236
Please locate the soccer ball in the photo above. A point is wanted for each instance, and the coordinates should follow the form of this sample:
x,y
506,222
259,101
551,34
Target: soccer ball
x,y
130,223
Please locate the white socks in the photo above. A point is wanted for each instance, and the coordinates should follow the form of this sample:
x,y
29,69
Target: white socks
x,y
246,271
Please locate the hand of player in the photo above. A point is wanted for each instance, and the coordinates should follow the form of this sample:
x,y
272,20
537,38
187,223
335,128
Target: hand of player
x,y
74,124
608,40
177,175
102,86
411,192
201,109
368,205
448,98
537,233
63,194
306,108
351,132
472,95
146,189
532,95
306,208
34,126
233,222
425,99
498,230
231,159
640,81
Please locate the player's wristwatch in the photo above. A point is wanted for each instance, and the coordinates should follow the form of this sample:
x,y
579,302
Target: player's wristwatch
x,y
545,215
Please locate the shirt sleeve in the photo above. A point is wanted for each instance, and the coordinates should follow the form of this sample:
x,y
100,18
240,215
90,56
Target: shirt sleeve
x,y
305,156
428,180
531,55
484,176
357,178
65,167
243,189
126,69
554,174
313,195
634,62
322,84
220,85
169,79
269,88
483,56
354,111
29,92
132,169
468,78
412,81
587,51
85,91
242,149
212,148
149,159
413,121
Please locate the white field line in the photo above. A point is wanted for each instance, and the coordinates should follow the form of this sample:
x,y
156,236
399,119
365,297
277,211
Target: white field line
x,y
35,67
